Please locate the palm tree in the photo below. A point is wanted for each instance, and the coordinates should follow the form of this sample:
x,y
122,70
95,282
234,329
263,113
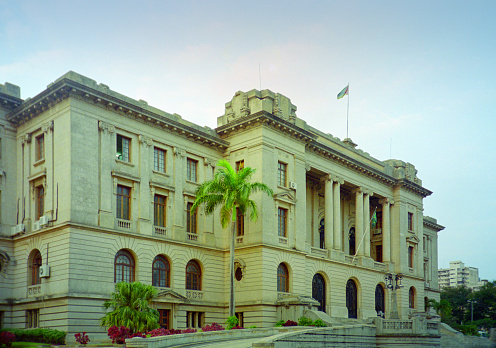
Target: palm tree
x,y
230,190
130,304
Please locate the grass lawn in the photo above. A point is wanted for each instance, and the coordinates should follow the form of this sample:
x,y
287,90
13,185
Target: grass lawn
x,y
30,344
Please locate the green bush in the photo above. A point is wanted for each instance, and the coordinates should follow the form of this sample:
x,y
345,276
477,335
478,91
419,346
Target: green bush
x,y
50,336
280,323
319,323
304,321
231,322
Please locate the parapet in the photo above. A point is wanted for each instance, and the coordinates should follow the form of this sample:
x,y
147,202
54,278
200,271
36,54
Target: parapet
x,y
10,89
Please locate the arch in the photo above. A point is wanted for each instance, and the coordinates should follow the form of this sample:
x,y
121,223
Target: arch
x,y
352,299
34,263
322,233
411,297
124,267
319,290
193,275
352,241
161,272
282,278
380,303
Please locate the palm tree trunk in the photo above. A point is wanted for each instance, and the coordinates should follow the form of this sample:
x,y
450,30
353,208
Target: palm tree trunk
x,y
231,255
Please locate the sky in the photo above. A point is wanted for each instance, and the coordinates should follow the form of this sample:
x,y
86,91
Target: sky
x,y
421,73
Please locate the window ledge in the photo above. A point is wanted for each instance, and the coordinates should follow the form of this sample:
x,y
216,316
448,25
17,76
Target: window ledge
x,y
39,162
161,173
283,240
192,182
124,162
194,294
192,236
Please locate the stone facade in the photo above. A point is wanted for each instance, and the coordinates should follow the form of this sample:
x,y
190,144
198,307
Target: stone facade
x,y
92,177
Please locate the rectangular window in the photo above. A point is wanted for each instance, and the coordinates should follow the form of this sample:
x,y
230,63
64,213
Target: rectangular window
x,y
191,169
123,202
164,318
40,147
239,315
40,202
159,160
159,209
410,222
240,223
123,146
194,319
190,219
32,318
282,215
281,173
410,256
379,219
378,253
240,165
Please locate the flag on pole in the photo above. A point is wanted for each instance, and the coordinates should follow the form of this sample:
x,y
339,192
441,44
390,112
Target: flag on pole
x,y
374,220
344,92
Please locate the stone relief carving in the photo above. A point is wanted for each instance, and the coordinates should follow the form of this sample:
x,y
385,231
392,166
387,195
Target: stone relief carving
x,y
47,127
26,139
106,127
145,140
179,152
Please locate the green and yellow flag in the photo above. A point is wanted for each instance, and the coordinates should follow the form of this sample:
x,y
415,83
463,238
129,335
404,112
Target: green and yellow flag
x,y
374,220
344,92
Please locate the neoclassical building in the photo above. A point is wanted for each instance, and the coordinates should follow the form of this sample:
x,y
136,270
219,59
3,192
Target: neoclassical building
x,y
96,188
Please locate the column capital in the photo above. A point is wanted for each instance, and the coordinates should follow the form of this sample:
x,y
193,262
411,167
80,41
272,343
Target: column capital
x,y
327,177
337,179
106,127
357,190
145,140
386,200
368,192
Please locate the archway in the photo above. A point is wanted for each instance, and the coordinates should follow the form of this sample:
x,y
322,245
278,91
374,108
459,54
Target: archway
x,y
352,299
380,307
319,291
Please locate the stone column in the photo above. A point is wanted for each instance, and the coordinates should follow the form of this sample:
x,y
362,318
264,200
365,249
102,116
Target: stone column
x,y
329,211
386,229
47,129
145,217
107,156
366,221
359,221
338,241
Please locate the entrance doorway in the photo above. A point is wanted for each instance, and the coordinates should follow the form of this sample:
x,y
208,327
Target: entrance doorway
x,y
351,299
319,291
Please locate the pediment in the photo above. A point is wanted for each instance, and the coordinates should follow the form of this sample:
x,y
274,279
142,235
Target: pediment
x,y
413,239
287,197
170,296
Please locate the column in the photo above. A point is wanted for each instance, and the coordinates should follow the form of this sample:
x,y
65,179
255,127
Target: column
x,y
366,221
386,230
107,156
329,211
359,221
145,217
47,129
338,239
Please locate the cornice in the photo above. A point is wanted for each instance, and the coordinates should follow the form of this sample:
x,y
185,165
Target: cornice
x,y
434,226
9,102
66,88
266,119
411,186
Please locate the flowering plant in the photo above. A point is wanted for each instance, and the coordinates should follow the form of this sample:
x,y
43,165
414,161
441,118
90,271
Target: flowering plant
x,y
7,338
82,338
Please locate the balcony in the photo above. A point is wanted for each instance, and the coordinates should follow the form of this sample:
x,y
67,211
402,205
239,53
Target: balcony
x,y
35,290
159,230
192,237
124,224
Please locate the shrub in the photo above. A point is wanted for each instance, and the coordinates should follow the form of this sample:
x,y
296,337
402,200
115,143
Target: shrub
x,y
82,338
7,338
119,334
304,321
158,332
279,323
252,327
290,323
231,322
50,336
213,327
188,330
319,323
237,327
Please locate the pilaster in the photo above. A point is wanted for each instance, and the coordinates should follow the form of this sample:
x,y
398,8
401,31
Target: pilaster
x,y
146,157
386,229
107,157
338,239
329,211
366,217
359,220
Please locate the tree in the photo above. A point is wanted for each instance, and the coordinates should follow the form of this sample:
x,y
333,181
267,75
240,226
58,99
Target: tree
x,y
230,190
458,298
442,308
130,305
485,305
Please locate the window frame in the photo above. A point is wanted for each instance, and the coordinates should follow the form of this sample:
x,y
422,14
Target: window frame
x,y
282,174
411,298
124,155
122,198
159,210
161,274
240,165
32,318
40,201
191,169
411,256
35,262
410,222
159,160
193,279
240,223
282,278
282,222
191,220
127,270
40,147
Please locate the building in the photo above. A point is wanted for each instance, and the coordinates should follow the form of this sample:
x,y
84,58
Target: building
x,y
459,275
96,188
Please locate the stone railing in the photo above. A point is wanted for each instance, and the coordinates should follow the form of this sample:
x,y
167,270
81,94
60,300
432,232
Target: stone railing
x,y
194,295
123,224
283,240
418,325
192,236
319,252
35,291
159,230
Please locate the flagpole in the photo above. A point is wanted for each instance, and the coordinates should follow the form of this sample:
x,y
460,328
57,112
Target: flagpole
x,y
348,110
363,237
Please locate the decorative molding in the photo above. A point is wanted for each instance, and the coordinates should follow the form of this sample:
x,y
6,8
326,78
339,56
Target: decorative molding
x,y
386,200
26,139
47,127
145,140
209,162
181,153
106,127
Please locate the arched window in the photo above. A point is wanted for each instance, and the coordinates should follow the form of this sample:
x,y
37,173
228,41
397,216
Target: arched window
x,y
123,267
282,278
352,299
319,291
35,262
193,276
411,297
380,307
160,272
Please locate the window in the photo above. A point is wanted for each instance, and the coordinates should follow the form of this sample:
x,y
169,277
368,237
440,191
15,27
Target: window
x,y
34,267
282,278
281,173
123,145
282,217
238,273
240,223
410,221
379,219
160,272
40,201
193,276
191,166
410,256
32,318
240,317
240,165
40,147
164,318
411,297
194,319
159,209
190,219
159,160
378,253
123,202
124,267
